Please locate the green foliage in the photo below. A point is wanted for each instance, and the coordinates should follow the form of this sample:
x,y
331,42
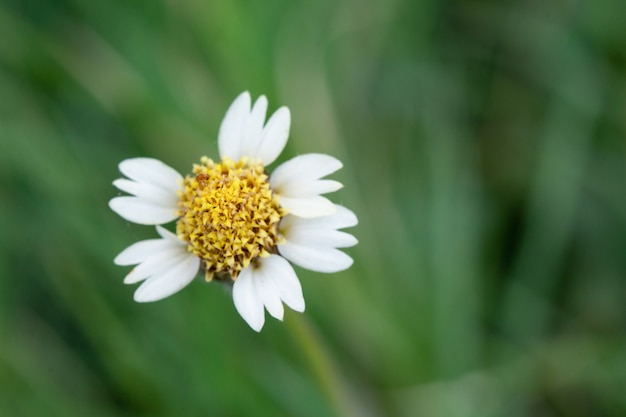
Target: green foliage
x,y
485,155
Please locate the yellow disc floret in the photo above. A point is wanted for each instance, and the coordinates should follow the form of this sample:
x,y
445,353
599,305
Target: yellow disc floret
x,y
229,215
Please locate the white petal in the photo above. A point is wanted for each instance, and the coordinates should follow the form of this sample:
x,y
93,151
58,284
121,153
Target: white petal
x,y
139,251
148,192
284,278
137,210
166,234
269,294
253,129
247,301
169,281
320,259
309,188
156,263
342,218
320,237
275,135
151,171
301,168
232,128
314,206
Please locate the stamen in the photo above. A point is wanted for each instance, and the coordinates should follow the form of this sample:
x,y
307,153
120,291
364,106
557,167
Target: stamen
x,y
229,215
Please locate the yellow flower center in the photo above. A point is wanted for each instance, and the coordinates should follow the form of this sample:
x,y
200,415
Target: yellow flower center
x,y
229,215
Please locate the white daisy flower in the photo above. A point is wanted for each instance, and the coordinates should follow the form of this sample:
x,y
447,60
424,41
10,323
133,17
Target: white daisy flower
x,y
234,221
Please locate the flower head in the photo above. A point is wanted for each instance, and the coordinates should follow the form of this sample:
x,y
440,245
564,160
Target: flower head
x,y
234,221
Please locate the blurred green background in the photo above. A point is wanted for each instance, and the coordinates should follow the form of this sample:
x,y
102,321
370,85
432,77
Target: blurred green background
x,y
484,146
